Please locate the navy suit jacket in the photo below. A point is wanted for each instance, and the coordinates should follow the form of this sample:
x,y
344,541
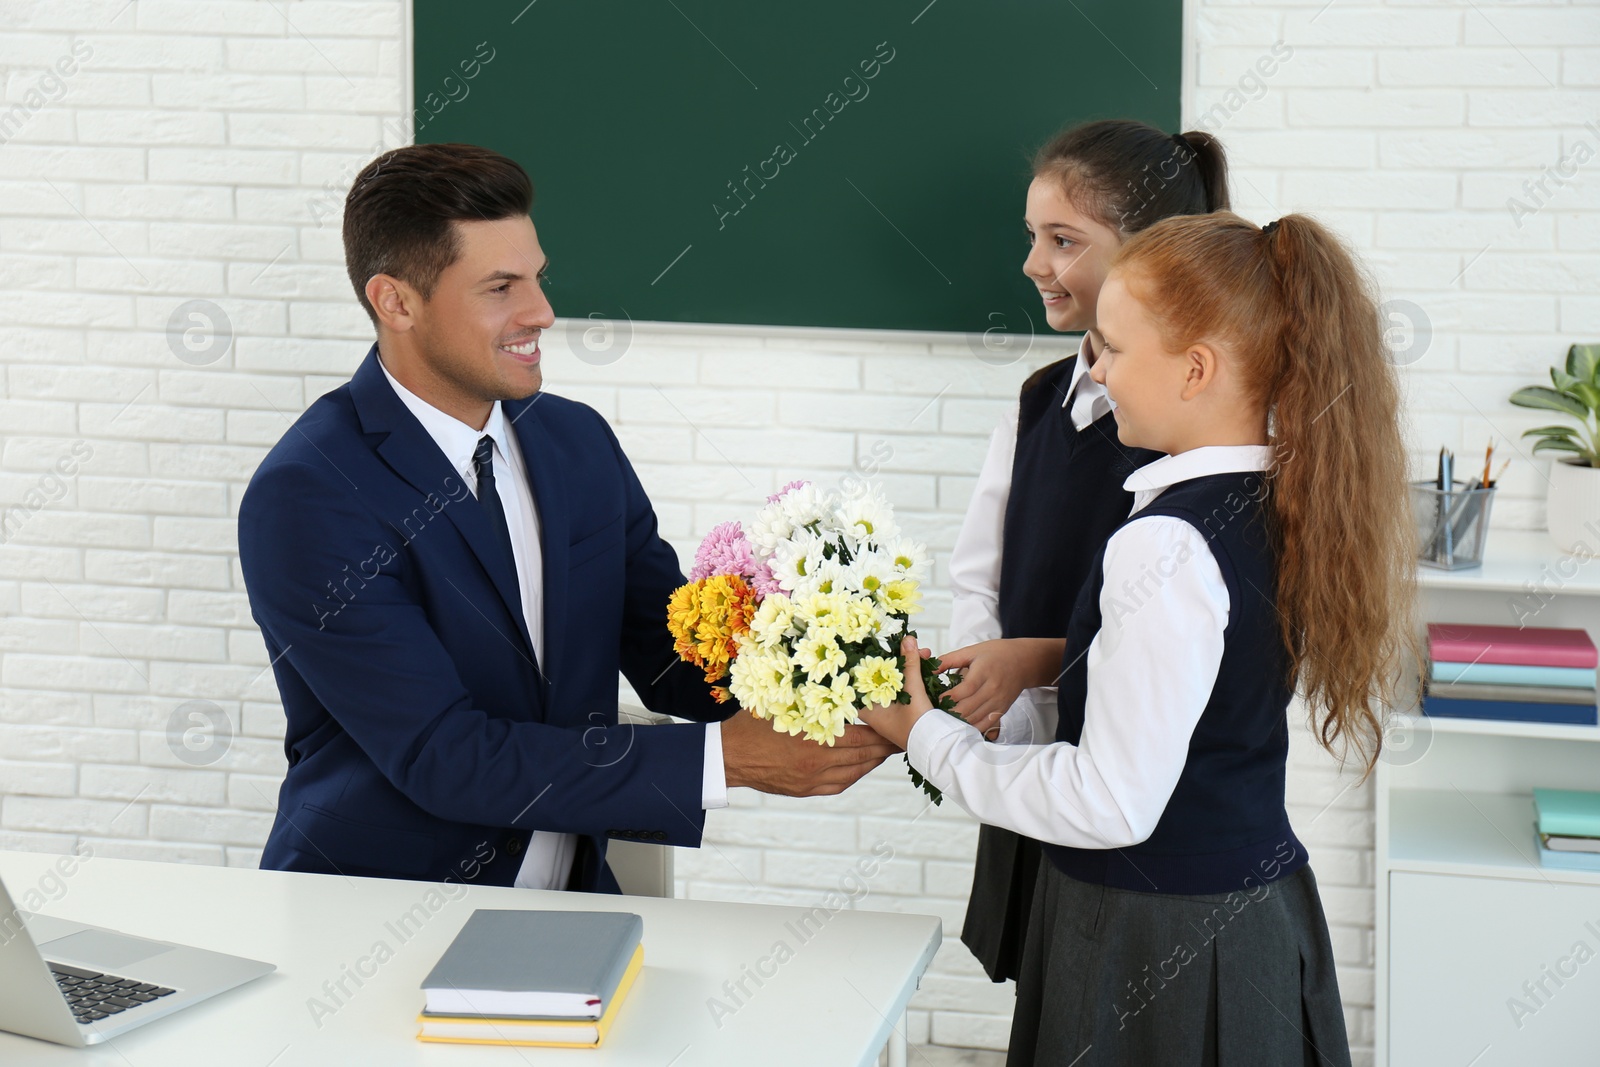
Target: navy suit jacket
x,y
422,742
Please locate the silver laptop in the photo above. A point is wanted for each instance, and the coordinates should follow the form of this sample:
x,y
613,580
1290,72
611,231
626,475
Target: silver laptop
x,y
80,985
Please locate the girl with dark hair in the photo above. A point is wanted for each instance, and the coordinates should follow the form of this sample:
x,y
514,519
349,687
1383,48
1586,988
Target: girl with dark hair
x,y
1269,552
1050,491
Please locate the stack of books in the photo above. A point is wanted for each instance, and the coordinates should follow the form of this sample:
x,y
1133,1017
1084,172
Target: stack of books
x,y
549,978
1568,824
1524,674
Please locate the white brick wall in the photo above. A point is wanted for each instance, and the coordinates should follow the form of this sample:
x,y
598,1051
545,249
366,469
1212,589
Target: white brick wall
x,y
197,151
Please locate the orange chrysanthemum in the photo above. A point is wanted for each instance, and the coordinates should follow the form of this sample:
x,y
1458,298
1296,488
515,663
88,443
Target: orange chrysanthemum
x,y
706,617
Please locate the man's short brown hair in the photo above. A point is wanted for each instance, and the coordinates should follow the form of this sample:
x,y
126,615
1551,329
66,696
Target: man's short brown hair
x,y
399,215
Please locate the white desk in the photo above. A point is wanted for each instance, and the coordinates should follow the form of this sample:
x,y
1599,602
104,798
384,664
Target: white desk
x,y
836,1001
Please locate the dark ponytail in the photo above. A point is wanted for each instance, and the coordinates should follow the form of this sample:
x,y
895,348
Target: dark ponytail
x,y
1211,164
1130,176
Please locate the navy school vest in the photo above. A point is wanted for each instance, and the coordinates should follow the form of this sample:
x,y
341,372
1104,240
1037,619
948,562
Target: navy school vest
x,y
1066,498
1225,827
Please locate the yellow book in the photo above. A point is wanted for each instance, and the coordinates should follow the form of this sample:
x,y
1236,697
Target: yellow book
x,y
544,1033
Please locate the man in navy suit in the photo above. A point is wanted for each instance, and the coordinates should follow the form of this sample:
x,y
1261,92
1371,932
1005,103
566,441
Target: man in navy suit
x,y
450,567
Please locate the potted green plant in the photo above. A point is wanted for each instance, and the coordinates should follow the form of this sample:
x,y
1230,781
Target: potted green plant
x,y
1573,502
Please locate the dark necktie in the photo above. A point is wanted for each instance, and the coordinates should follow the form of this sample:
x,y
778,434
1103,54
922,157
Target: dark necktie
x,y
489,498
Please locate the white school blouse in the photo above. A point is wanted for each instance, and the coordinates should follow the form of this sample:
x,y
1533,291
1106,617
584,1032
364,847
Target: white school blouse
x,y
975,560
548,861
1152,666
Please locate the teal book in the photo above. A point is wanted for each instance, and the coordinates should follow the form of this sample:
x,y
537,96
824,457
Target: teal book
x,y
1568,812
1512,674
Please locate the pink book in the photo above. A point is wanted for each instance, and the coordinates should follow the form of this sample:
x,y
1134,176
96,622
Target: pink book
x,y
1530,646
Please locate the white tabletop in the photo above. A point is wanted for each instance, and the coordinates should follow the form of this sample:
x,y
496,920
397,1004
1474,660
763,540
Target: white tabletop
x,y
832,1001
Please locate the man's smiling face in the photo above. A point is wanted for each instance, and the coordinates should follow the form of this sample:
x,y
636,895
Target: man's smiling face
x,y
479,332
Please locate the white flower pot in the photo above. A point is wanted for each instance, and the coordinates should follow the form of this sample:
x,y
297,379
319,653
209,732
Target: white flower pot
x,y
1573,506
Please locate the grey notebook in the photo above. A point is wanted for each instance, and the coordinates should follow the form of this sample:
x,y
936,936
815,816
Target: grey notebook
x,y
544,964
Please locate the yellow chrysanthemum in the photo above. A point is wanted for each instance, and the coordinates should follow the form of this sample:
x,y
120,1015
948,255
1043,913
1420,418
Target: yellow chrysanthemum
x,y
818,654
822,609
859,620
903,596
878,679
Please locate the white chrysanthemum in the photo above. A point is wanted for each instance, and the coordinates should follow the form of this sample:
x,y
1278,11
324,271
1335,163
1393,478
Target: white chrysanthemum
x,y
910,558
805,505
889,628
831,576
866,517
796,561
770,527
872,570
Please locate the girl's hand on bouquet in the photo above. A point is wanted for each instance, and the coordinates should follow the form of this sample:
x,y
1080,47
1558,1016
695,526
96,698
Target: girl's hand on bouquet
x,y
894,721
994,674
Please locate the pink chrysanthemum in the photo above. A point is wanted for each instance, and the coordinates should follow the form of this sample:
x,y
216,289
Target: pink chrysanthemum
x,y
724,551
763,582
775,497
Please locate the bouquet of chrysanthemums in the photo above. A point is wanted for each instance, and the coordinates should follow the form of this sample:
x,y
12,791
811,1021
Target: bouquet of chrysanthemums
x,y
800,617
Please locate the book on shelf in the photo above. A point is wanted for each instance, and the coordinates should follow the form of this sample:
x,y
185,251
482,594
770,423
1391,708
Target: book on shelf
x,y
1565,843
1531,694
1532,646
1510,710
1452,672
1567,812
1567,861
522,972
523,1030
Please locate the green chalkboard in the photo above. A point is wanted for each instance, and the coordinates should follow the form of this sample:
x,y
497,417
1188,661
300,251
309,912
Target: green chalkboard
x,y
848,163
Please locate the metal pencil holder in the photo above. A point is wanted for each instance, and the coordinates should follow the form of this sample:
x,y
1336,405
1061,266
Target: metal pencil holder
x,y
1452,524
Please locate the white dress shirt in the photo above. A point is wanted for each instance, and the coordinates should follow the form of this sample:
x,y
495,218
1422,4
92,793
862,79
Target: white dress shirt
x,y
1152,666
548,861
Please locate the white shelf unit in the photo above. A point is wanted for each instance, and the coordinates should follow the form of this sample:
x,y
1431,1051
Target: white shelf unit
x,y
1465,914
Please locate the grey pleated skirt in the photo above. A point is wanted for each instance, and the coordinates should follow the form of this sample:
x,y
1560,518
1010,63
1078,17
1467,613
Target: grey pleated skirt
x,y
1115,978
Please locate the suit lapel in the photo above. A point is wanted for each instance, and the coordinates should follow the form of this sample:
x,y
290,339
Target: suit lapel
x,y
541,457
415,457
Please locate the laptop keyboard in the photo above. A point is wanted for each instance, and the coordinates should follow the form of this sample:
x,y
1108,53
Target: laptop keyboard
x,y
94,996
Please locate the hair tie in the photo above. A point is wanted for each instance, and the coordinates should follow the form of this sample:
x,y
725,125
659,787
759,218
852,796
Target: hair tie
x,y
1268,229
